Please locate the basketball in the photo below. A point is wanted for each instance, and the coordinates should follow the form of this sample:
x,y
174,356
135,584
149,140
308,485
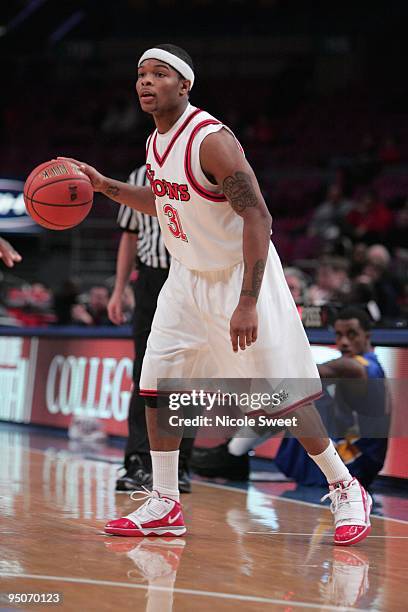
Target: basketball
x,y
58,195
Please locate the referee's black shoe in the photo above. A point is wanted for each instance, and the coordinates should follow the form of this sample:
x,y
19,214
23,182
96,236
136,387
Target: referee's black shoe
x,y
218,462
138,474
184,478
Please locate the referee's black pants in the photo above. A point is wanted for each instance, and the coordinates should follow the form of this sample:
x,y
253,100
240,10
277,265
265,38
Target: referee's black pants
x,y
147,289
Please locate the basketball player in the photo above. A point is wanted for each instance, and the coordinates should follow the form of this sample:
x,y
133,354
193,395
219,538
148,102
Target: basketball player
x,y
8,254
362,418
225,310
357,414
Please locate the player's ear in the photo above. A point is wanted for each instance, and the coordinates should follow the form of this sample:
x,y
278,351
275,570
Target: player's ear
x,y
184,87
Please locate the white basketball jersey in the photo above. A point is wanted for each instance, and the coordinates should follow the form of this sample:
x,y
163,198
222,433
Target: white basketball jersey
x,y
199,227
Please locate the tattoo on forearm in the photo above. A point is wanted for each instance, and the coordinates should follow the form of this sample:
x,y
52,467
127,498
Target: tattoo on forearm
x,y
112,190
256,281
240,191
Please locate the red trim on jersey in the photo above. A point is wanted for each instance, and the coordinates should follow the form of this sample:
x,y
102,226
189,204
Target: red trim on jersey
x,y
148,392
202,191
162,159
148,144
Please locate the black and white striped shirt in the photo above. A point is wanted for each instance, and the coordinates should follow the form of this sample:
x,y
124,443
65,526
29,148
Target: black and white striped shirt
x,y
150,246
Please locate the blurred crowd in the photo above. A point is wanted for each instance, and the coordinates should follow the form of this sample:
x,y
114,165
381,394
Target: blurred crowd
x,y
347,273
332,171
351,251
345,250
36,305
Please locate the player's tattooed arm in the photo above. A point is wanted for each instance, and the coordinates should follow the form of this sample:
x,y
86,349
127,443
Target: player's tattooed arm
x,y
112,190
139,198
224,164
252,281
240,191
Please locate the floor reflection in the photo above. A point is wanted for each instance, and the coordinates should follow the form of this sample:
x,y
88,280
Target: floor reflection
x,y
258,544
155,561
81,488
340,575
346,582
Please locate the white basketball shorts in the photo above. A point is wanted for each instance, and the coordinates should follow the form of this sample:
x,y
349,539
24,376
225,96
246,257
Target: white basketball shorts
x,y
190,335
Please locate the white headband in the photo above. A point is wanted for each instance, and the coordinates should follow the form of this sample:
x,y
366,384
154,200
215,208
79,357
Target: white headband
x,y
175,62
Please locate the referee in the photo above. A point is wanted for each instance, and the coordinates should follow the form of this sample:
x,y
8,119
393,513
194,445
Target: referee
x,y
141,241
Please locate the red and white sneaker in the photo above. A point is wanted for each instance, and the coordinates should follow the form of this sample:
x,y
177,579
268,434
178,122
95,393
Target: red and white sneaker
x,y
351,506
158,516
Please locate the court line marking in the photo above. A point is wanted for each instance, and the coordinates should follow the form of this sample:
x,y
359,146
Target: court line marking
x,y
286,499
323,535
215,594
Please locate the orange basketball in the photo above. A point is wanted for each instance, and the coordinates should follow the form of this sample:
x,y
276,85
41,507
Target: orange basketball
x,y
58,195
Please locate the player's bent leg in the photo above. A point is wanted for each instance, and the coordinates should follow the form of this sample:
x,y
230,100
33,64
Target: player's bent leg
x,y
350,502
161,513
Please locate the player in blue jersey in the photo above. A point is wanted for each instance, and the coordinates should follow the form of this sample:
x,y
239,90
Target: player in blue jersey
x,y
357,415
360,416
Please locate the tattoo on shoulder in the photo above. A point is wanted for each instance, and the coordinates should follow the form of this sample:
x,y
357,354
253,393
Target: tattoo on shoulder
x,y
256,280
112,190
240,191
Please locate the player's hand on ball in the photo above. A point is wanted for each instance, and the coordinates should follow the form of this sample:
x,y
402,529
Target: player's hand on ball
x,y
97,179
8,254
243,327
115,310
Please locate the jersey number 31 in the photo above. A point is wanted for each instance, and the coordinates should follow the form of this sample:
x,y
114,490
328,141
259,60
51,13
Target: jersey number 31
x,y
174,222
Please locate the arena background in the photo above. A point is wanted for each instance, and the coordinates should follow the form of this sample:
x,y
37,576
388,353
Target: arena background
x,y
317,94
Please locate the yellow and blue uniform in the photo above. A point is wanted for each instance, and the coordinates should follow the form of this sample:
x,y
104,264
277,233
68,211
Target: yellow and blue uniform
x,y
358,422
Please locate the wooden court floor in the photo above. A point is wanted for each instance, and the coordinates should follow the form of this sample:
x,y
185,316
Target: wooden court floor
x,y
244,550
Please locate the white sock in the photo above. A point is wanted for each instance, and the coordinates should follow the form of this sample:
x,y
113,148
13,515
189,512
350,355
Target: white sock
x,y
240,446
165,473
245,440
332,465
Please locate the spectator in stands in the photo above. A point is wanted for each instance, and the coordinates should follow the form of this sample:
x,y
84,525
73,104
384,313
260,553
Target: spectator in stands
x,y
297,284
65,298
377,274
95,309
369,220
358,258
8,254
329,216
40,297
31,305
332,282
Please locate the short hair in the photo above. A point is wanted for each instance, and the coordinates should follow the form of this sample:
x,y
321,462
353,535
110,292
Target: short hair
x,y
353,312
178,52
378,254
338,264
292,271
